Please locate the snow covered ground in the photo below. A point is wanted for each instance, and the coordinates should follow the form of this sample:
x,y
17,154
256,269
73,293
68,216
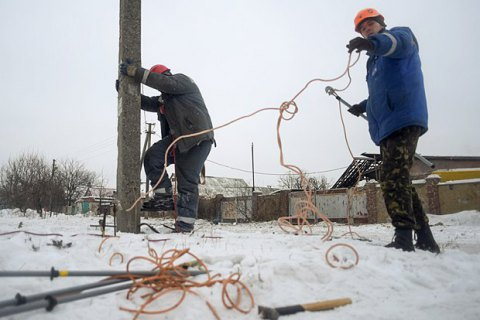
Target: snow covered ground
x,y
280,269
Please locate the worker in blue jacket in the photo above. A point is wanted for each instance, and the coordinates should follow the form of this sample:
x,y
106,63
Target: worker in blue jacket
x,y
397,116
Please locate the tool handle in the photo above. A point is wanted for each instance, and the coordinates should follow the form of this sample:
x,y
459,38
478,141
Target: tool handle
x,y
326,305
424,160
331,91
348,105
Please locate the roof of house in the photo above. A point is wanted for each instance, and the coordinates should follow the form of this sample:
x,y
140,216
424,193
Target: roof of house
x,y
99,191
228,187
370,162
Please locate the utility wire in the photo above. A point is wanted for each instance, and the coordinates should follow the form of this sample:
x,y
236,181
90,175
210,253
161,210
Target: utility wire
x,y
272,174
267,173
93,148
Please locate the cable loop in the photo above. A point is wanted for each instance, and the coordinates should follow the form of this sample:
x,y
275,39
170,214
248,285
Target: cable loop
x,y
172,276
286,107
336,261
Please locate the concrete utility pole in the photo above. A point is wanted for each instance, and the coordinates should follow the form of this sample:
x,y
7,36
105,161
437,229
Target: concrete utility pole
x,y
128,143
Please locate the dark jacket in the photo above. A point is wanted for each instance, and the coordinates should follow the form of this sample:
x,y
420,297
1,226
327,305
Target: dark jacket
x,y
395,84
184,109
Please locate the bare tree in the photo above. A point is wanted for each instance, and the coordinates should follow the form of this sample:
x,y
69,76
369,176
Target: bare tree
x,y
293,181
74,178
25,182
243,201
289,181
28,181
318,183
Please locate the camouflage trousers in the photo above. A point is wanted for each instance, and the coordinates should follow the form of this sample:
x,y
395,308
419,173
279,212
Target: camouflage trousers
x,y
401,199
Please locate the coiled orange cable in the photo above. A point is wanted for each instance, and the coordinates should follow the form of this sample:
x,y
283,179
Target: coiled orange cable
x,y
173,277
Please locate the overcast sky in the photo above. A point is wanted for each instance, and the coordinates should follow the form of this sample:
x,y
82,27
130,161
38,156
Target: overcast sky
x,y
60,60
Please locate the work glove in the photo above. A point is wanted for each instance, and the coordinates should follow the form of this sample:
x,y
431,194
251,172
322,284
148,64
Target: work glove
x,y
127,68
356,110
360,44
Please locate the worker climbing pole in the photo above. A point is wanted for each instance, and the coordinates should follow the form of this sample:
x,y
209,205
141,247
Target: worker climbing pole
x,y
128,162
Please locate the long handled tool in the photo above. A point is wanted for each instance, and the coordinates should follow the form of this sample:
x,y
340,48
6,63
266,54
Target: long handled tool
x,y
21,299
87,273
274,313
50,299
330,91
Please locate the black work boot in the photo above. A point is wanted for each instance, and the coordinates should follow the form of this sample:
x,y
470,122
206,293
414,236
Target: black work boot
x,y
402,240
425,240
183,227
162,200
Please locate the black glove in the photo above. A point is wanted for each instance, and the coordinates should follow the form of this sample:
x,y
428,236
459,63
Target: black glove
x,y
117,85
127,69
360,44
356,110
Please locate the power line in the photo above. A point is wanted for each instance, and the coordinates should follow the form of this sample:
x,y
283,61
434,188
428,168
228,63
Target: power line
x,y
93,148
272,174
269,174
106,151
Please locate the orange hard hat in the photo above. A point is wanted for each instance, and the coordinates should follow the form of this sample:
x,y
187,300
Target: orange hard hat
x,y
365,14
159,68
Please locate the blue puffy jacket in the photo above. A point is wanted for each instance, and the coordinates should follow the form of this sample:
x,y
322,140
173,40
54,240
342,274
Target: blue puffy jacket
x,y
395,84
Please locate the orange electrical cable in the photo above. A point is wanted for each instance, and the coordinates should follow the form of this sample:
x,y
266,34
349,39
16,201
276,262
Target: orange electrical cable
x,y
114,255
103,241
189,136
32,233
173,277
338,261
303,207
283,108
360,173
287,112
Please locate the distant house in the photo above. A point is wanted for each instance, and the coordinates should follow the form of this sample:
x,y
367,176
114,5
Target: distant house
x,y
229,187
447,167
96,200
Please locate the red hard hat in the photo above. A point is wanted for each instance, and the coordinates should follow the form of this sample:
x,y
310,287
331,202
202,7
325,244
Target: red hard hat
x,y
159,68
364,14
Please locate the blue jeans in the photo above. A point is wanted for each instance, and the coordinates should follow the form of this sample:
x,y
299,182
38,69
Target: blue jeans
x,y
188,166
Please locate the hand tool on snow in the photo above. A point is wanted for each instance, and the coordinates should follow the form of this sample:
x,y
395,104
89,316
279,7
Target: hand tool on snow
x,y
50,299
53,273
331,92
274,313
21,299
